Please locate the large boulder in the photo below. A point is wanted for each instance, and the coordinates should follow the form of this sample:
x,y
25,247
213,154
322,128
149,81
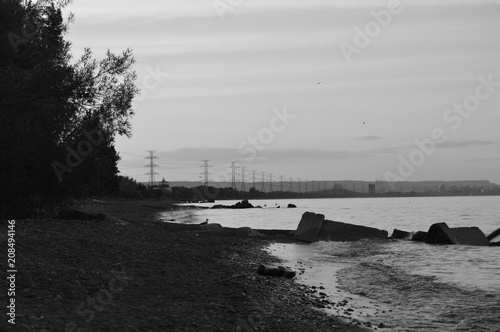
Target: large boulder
x,y
440,233
339,231
309,227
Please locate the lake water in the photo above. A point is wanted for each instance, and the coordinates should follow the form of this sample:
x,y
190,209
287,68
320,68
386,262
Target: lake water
x,y
409,286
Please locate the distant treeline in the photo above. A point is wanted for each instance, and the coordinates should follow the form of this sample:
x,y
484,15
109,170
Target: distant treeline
x,y
209,193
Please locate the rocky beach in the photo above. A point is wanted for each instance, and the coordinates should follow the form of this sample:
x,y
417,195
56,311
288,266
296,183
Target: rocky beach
x,y
127,271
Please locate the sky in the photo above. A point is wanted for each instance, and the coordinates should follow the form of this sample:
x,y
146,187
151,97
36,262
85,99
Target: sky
x,y
309,89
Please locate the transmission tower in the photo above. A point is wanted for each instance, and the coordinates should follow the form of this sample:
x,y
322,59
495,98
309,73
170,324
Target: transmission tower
x,y
253,179
298,184
263,174
206,174
243,168
233,174
151,166
306,186
281,183
270,182
291,184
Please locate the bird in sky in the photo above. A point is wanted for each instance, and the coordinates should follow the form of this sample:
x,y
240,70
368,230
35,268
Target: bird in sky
x,y
318,83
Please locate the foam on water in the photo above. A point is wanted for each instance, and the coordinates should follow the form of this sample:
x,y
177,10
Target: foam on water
x,y
398,295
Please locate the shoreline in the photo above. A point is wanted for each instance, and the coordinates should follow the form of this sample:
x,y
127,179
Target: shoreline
x,y
153,276
321,279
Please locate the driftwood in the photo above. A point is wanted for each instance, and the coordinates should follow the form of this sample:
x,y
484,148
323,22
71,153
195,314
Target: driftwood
x,y
275,271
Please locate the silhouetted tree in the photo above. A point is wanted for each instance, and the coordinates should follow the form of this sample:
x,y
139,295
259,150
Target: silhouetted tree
x,y
57,120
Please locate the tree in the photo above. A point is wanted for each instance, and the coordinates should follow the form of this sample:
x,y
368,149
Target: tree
x,y
50,109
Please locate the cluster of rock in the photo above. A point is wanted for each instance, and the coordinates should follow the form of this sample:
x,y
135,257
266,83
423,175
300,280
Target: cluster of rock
x,y
313,227
244,204
441,233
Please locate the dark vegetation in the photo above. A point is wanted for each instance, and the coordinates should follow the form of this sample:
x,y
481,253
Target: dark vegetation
x,y
58,117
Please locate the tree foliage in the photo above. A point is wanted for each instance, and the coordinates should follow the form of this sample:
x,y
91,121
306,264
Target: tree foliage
x,y
58,119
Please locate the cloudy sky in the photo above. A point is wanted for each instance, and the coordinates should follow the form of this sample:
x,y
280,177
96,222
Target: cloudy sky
x,y
310,89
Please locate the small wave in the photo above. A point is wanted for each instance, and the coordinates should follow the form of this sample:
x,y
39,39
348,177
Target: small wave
x,y
421,303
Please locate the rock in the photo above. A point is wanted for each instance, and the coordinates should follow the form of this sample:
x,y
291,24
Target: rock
x,y
291,206
339,231
309,227
211,227
75,214
495,244
471,236
244,204
493,235
418,236
245,232
112,219
275,271
399,234
440,233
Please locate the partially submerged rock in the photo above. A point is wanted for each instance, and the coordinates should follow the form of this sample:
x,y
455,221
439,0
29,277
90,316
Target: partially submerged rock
x,y
418,236
314,227
440,233
309,227
493,235
340,231
399,234
291,206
